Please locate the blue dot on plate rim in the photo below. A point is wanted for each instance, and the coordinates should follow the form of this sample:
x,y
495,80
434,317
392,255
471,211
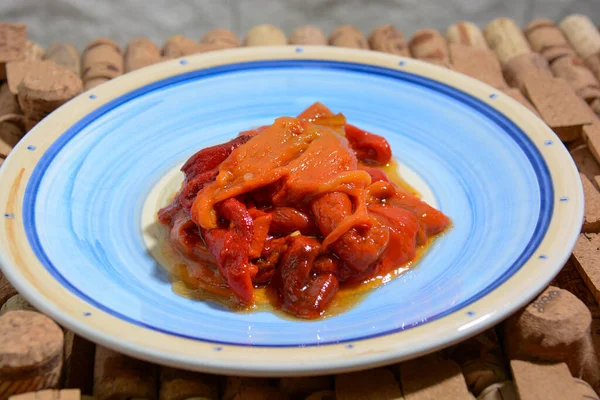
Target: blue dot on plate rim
x,y
9,215
218,348
470,313
92,96
402,63
349,346
543,257
87,314
299,50
493,96
31,148
564,199
183,62
548,142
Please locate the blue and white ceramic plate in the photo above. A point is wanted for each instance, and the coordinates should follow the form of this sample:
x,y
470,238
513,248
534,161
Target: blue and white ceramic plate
x,y
81,190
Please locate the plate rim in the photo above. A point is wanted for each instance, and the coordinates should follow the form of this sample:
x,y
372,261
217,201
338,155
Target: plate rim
x,y
349,359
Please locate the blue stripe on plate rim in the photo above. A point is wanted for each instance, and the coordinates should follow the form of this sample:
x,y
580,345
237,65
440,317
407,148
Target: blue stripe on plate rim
x,y
528,147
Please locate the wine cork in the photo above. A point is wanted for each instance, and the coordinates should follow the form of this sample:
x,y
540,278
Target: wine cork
x,y
518,96
308,35
582,34
16,303
78,371
66,55
302,387
140,53
585,161
591,134
584,390
525,67
591,221
45,88
554,327
221,38
16,71
466,33
176,384
30,352
8,101
49,394
376,383
122,377
237,388
573,70
265,35
593,63
547,39
178,46
6,289
33,51
559,106
92,83
499,391
348,36
102,60
504,37
478,63
428,378
388,39
570,279
429,45
587,260
548,381
322,395
13,39
480,359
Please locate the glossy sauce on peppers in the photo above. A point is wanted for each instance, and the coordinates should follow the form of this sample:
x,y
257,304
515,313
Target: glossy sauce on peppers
x,y
304,216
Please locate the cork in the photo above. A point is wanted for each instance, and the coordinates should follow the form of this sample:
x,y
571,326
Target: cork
x,y
593,63
584,390
591,134
78,371
429,45
49,394
587,260
16,303
8,101
591,221
222,38
140,53
6,289
178,46
13,38
518,96
376,383
265,35
45,88
16,70
595,106
322,395
499,391
308,35
30,352
388,39
12,126
559,106
554,327
238,388
66,55
33,51
304,386
102,59
504,37
547,39
542,381
525,67
585,161
573,70
92,83
581,34
478,63
570,279
466,33
176,384
428,378
480,359
119,376
348,36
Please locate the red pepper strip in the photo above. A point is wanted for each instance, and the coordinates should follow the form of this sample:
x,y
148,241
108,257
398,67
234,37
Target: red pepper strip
x,y
210,157
434,220
254,132
376,173
272,252
314,111
358,247
185,237
368,146
262,221
230,248
326,264
288,220
168,213
190,190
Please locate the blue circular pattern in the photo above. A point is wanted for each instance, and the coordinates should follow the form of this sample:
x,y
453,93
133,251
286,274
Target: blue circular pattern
x,y
87,192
